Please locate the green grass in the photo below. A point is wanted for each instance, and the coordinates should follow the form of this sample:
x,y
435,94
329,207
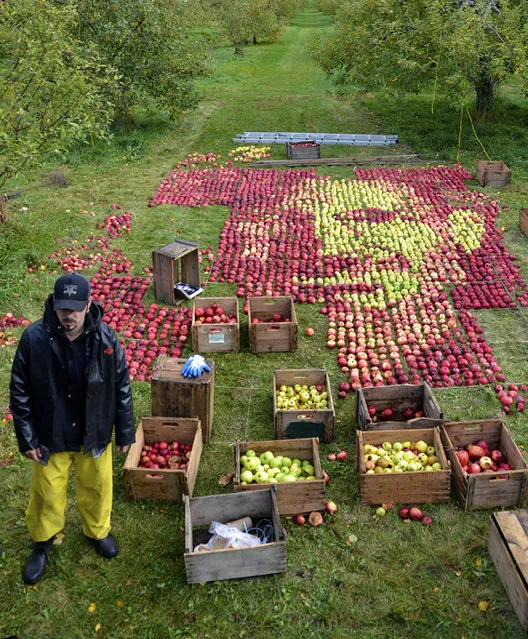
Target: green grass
x,y
395,580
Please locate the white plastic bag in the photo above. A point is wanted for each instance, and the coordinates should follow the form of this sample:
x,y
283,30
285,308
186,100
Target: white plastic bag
x,y
228,537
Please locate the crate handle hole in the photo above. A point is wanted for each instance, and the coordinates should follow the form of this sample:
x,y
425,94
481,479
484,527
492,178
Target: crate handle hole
x,y
155,477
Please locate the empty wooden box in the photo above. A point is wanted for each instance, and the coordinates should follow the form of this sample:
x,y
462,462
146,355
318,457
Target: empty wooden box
x,y
232,563
173,263
176,396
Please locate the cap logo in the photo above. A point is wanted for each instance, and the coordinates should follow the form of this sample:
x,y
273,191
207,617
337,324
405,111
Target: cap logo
x,y
70,289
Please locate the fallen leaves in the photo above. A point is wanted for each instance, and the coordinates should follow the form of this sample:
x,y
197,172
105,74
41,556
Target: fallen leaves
x,y
92,607
225,480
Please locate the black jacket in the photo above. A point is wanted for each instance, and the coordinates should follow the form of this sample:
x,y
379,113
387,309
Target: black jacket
x,y
39,386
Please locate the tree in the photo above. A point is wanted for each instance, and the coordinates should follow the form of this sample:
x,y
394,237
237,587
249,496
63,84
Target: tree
x,y
52,86
150,44
468,48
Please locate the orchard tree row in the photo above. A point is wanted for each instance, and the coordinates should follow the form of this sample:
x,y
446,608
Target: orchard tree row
x,y
69,70
463,48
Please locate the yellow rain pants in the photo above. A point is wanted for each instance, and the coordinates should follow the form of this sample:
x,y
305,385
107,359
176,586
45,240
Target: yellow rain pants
x,y
48,494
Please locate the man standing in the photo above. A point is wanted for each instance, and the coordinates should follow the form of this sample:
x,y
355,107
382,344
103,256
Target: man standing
x,y
69,387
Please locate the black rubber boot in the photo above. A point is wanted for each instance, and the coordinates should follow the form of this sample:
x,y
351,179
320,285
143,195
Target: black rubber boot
x,y
106,547
36,564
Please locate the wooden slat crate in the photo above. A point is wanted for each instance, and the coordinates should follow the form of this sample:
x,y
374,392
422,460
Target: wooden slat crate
x,y
508,549
303,151
216,338
232,563
523,221
398,397
270,336
420,487
176,396
145,483
495,174
308,423
508,488
295,497
173,263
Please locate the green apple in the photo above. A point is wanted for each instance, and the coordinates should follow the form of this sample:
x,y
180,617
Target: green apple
x,y
289,478
412,467
285,470
386,445
296,470
297,461
286,461
312,477
250,453
243,460
276,462
246,476
266,457
261,477
421,446
437,466
397,446
252,463
431,450
308,469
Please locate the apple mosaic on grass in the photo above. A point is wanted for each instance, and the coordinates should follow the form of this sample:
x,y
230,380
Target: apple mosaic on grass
x,y
397,259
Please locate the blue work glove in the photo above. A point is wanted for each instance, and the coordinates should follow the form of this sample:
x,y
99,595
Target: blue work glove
x,y
195,366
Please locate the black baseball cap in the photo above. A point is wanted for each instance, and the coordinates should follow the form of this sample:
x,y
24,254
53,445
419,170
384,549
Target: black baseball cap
x,y
72,292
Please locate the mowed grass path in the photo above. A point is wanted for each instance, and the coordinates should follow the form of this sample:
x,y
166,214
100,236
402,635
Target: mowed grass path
x,y
388,579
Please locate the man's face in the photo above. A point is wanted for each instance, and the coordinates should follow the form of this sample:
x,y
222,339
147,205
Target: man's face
x,y
72,321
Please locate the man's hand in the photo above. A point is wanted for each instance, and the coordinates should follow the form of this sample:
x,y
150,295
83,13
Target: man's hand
x,y
123,449
34,454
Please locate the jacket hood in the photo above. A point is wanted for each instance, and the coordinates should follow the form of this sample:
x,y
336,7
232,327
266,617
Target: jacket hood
x,y
92,321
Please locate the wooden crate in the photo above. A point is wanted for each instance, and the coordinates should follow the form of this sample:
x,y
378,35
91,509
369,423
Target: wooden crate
x,y
420,487
494,174
508,549
398,397
295,497
173,395
272,337
523,221
216,338
173,263
145,483
507,488
292,424
232,563
303,150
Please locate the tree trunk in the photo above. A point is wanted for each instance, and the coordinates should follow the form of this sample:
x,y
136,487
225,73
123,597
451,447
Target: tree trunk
x,y
485,93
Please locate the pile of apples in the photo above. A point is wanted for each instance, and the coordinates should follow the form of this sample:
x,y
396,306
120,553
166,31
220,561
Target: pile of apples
x,y
389,414
479,458
415,514
173,455
400,457
275,319
302,397
268,468
213,314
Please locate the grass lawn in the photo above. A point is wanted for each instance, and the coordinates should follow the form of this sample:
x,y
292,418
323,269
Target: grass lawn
x,y
354,576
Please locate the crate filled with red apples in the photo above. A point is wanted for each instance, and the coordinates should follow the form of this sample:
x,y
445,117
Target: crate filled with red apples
x,y
488,468
215,325
397,407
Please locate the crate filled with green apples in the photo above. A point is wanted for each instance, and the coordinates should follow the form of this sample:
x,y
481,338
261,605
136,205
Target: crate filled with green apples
x,y
402,466
397,407
293,465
